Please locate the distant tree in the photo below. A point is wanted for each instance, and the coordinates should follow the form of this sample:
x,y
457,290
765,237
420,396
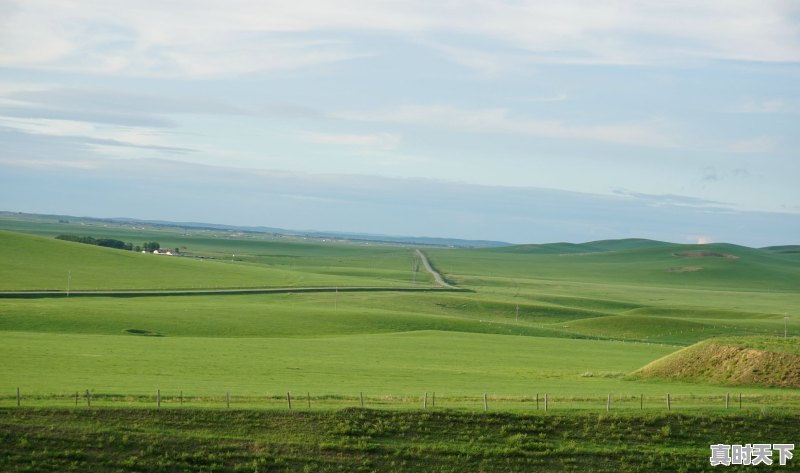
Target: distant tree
x,y
151,246
112,243
177,250
137,248
78,239
106,242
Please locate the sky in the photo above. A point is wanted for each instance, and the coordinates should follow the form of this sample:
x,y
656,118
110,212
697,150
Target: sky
x,y
520,121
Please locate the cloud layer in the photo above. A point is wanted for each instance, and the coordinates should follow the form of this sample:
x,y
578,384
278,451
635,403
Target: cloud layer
x,y
205,38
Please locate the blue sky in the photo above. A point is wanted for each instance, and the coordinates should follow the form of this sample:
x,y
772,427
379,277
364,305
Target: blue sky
x,y
519,121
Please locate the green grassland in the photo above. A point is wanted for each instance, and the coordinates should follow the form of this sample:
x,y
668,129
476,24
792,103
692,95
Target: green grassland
x,y
570,321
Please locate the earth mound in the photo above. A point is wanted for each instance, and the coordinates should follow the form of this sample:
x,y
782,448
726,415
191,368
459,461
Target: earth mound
x,y
765,361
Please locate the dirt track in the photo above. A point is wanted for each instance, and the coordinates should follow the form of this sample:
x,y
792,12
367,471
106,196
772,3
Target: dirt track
x,y
438,277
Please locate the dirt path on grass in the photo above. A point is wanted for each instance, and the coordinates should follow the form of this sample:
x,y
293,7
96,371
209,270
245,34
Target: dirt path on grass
x,y
436,276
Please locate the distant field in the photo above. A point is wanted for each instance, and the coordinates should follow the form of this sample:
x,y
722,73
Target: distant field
x,y
569,320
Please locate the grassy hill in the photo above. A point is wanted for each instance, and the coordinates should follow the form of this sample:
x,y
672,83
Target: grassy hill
x,y
783,248
544,249
766,361
39,263
627,244
598,246
712,266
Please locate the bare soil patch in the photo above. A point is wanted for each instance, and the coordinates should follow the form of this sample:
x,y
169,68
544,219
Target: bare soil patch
x,y
684,269
704,254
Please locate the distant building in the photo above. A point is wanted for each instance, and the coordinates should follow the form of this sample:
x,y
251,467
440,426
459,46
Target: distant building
x,y
163,251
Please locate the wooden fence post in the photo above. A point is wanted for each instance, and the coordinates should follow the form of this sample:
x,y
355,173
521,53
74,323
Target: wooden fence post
x,y
485,404
425,403
228,399
361,395
308,398
181,398
158,398
668,406
537,401
18,396
740,400
727,399
76,398
608,403
545,402
433,400
641,401
289,399
88,398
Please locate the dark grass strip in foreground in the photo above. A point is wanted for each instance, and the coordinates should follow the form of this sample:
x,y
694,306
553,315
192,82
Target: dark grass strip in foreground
x,y
368,440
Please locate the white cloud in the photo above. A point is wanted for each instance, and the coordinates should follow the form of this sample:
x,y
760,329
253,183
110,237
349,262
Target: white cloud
x,y
44,126
485,62
102,140
559,97
379,140
208,38
499,120
764,106
761,144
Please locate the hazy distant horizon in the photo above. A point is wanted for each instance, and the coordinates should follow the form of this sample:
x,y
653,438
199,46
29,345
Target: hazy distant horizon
x,y
322,233
379,206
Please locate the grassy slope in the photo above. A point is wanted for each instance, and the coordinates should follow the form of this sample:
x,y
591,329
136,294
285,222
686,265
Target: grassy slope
x,y
275,315
753,270
37,263
764,361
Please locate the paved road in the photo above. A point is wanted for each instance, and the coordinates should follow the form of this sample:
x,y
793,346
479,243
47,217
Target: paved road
x,y
438,277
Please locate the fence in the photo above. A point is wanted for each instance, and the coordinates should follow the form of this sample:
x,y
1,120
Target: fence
x,y
537,402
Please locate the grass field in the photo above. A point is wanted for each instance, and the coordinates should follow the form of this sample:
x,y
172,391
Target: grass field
x,y
40,263
112,440
570,321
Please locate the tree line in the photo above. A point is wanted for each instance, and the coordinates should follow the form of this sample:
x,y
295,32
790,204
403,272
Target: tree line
x,y
111,243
